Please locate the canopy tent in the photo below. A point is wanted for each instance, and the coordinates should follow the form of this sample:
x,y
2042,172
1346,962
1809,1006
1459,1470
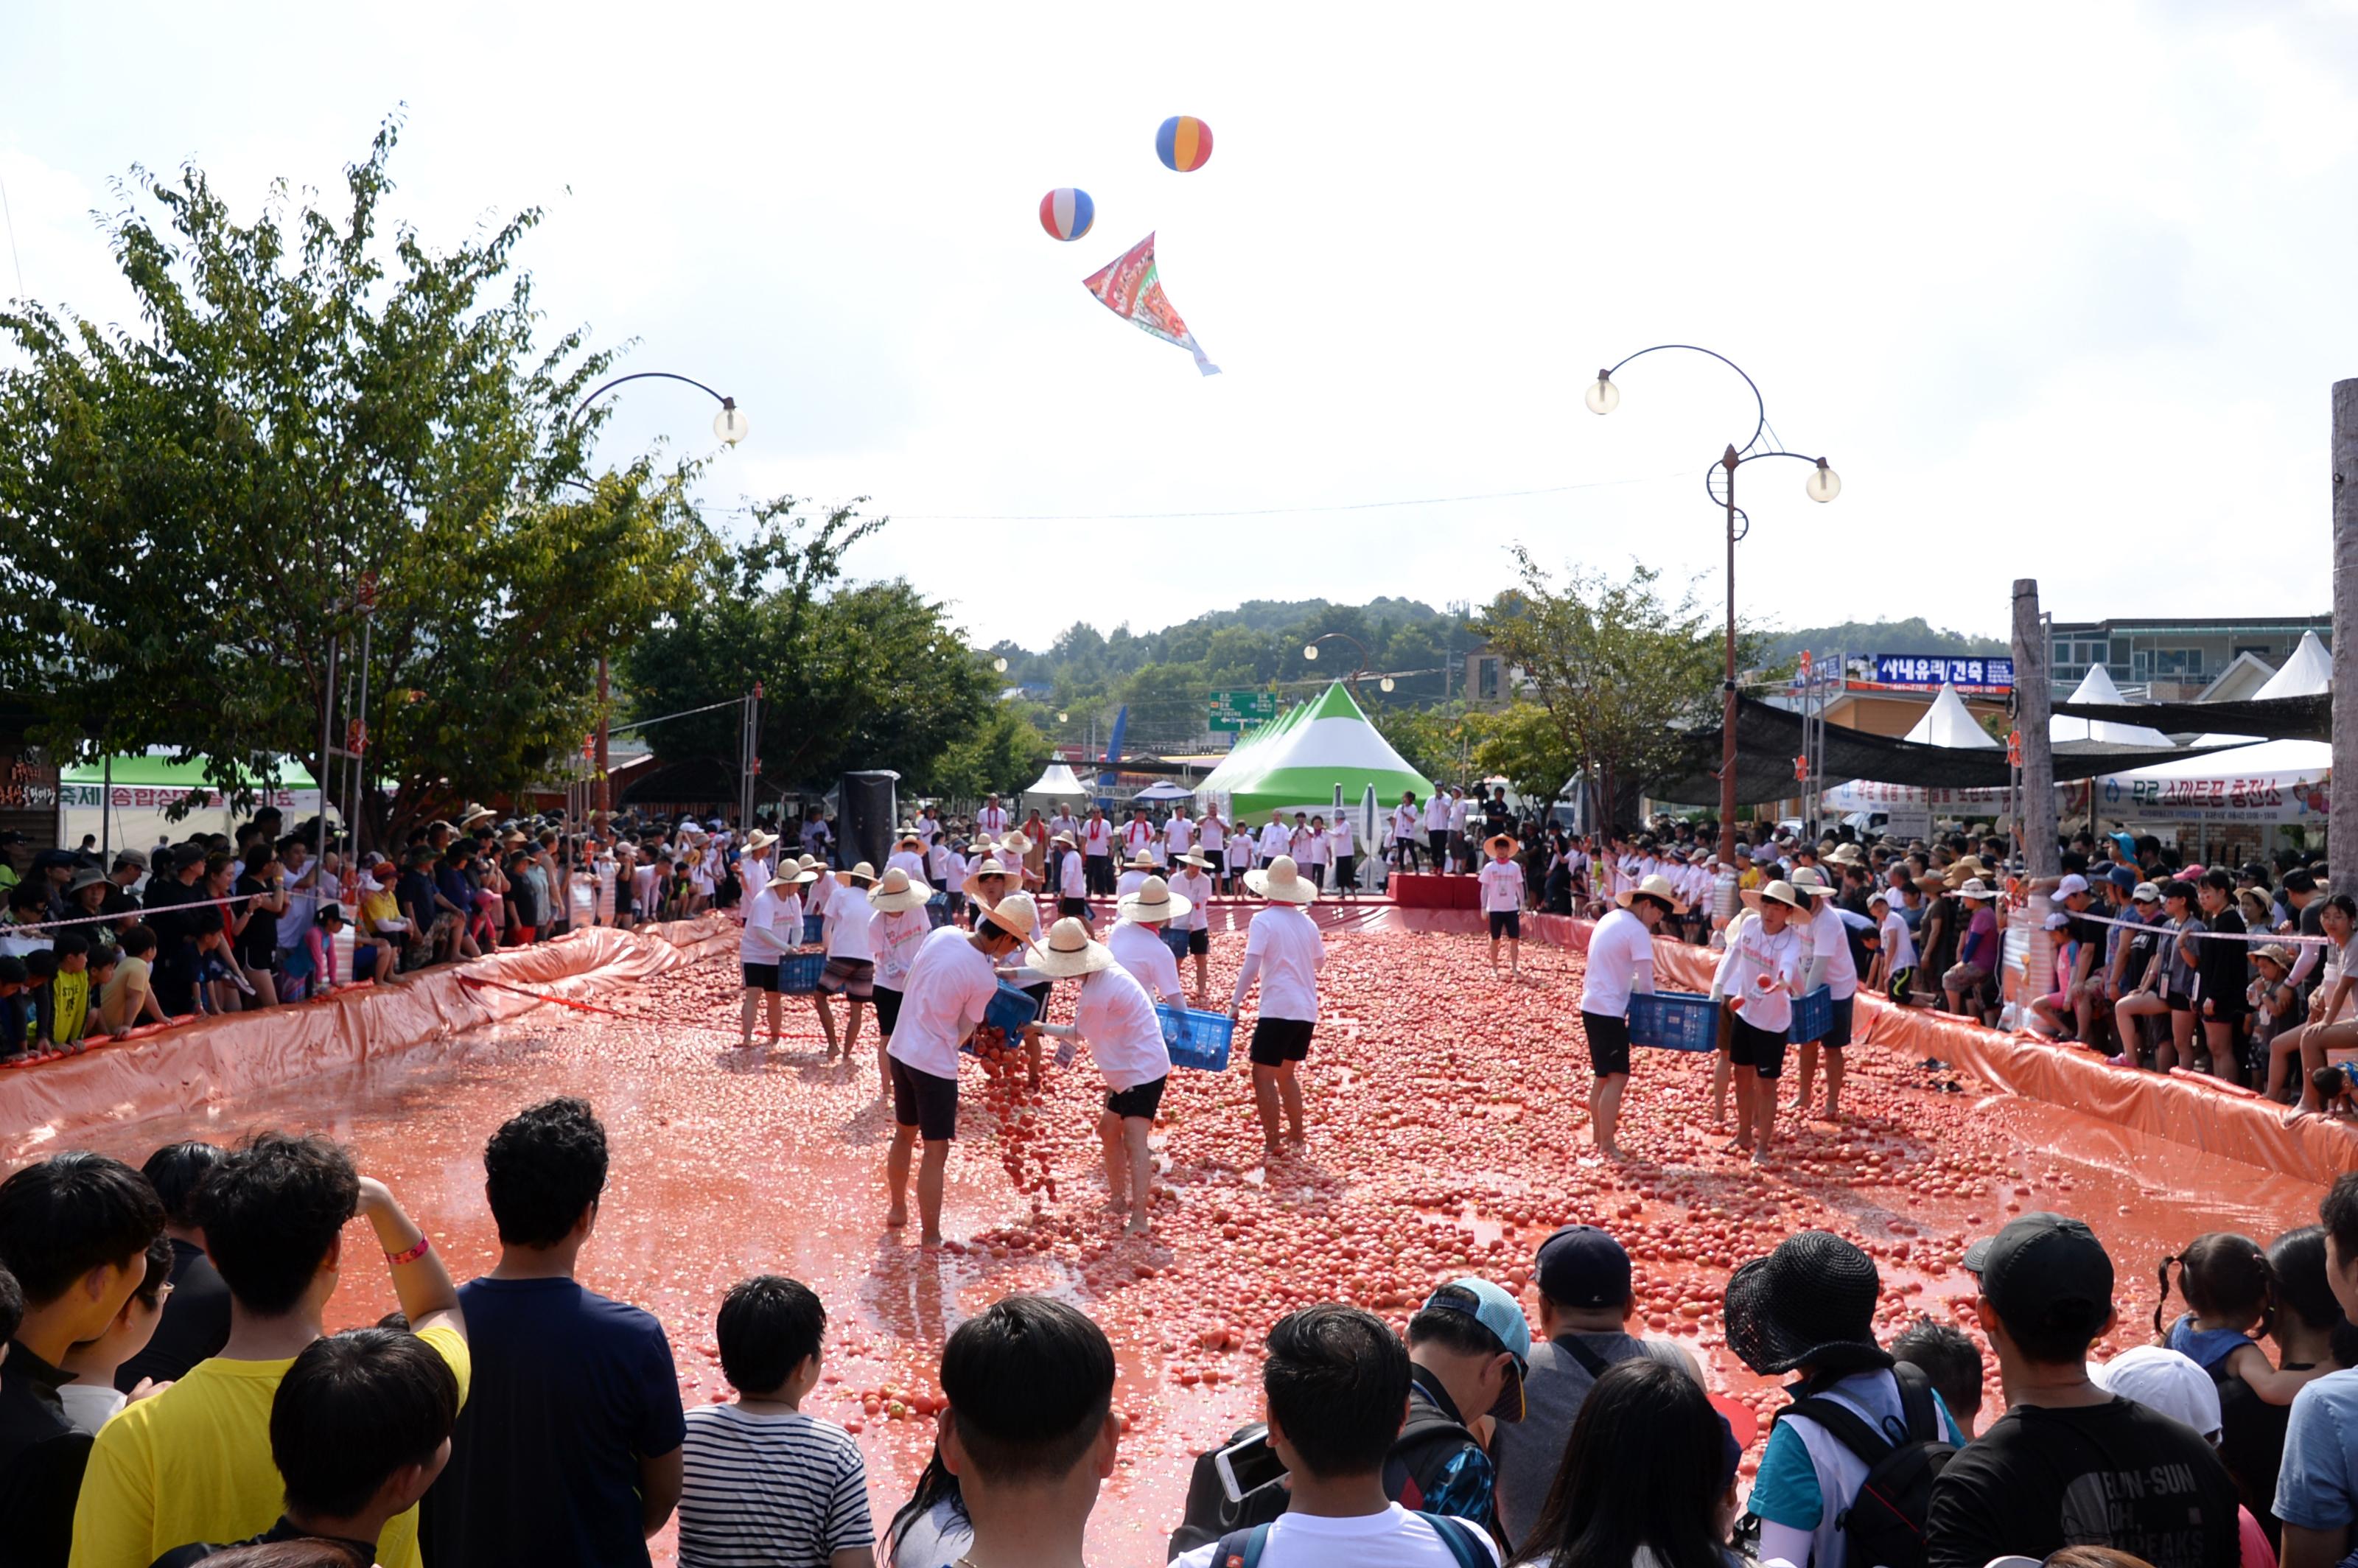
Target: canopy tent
x,y
2309,717
2309,673
2097,687
128,801
1057,782
1948,722
2260,782
1164,789
1296,761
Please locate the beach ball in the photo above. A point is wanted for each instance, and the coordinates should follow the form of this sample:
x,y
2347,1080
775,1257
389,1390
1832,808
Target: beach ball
x,y
1067,213
1183,144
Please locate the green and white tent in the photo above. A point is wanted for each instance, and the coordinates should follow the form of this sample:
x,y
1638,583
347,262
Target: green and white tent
x,y
1295,762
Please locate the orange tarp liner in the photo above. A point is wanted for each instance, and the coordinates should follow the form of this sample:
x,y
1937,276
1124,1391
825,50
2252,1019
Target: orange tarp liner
x,y
225,1059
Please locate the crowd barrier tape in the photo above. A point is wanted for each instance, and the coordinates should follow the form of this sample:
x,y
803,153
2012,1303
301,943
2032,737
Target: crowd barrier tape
x,y
225,1059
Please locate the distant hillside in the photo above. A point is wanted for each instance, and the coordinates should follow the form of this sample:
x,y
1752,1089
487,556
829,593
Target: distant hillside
x,y
1913,635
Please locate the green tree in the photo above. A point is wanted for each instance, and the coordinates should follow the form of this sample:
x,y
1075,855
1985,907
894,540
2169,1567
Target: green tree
x,y
1620,670
190,505
1521,744
1005,752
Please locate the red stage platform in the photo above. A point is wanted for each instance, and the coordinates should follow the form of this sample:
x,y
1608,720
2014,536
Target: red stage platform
x,y
1412,890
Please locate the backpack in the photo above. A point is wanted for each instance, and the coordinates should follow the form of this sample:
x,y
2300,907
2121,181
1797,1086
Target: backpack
x,y
1242,1548
1210,1516
1884,1526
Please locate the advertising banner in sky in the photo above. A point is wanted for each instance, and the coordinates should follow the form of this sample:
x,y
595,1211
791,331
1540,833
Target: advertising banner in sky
x,y
1131,289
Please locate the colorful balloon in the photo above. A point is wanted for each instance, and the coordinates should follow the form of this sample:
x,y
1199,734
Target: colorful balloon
x,y
1183,144
1067,213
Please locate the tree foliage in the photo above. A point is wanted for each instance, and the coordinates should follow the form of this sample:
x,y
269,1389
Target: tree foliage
x,y
1618,668
1005,752
188,505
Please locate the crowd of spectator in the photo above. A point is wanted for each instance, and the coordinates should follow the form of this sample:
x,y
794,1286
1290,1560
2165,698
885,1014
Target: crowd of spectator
x,y
169,1395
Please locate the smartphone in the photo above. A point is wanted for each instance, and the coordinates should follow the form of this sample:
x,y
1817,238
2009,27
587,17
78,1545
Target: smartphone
x,y
1247,1464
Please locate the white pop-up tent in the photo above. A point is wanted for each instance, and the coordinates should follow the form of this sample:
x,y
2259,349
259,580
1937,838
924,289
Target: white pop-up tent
x,y
1948,722
2097,686
2267,781
1054,783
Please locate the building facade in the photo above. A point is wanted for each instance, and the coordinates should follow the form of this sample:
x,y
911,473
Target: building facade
x,y
2174,659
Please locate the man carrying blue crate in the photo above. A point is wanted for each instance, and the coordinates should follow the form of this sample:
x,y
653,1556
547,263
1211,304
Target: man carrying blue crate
x,y
1284,952
1137,943
952,981
1620,964
1116,1020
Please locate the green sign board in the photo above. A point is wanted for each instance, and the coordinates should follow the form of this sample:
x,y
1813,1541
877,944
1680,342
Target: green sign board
x,y
1242,710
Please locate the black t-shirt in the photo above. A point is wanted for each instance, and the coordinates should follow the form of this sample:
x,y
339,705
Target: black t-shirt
x,y
258,941
2252,1445
195,1324
2225,967
2115,1475
41,1463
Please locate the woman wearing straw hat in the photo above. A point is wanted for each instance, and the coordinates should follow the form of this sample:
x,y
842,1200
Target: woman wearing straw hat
x,y
1977,947
1620,965
851,970
1829,963
1759,979
908,855
897,927
1193,884
773,928
1284,952
1501,887
1116,1020
753,867
951,981
1136,940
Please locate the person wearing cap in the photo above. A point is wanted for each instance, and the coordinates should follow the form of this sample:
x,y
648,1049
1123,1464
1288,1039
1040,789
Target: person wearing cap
x,y
1501,890
1284,952
897,927
1587,1304
1809,1308
1468,1349
2070,1463
1620,965
2138,968
850,971
1136,940
950,983
1193,882
2083,986
1829,964
1758,977
1978,946
772,928
1115,1019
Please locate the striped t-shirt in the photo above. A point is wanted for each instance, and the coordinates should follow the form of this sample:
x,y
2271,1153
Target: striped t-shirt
x,y
786,1489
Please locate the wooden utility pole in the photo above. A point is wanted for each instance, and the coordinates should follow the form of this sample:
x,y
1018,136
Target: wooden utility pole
x,y
2342,819
2033,701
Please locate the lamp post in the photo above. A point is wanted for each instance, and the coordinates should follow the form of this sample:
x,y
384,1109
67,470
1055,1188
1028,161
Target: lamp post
x,y
1310,652
1824,485
730,427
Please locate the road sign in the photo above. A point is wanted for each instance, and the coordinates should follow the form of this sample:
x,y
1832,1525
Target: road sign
x,y
1241,709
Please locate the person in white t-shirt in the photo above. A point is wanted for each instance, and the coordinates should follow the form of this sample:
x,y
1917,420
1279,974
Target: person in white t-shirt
x,y
1344,848
851,970
909,856
1139,840
1828,961
1097,837
1894,968
1437,830
1501,880
1137,941
1405,818
1072,879
951,981
1759,976
992,820
1284,952
1241,859
1211,838
1620,965
1310,849
1193,884
1178,836
1134,872
1337,1389
765,938
1116,1020
1458,811
897,927
1276,839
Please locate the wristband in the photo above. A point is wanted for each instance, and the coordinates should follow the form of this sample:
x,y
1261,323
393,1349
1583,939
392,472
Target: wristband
x,y
424,1245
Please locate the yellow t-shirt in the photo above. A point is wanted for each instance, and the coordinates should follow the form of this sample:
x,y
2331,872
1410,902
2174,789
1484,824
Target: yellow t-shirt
x,y
120,1000
378,904
193,1464
70,1009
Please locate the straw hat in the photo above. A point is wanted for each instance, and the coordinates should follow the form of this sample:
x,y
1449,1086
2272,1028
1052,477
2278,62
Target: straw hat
x,y
1068,951
1015,844
1194,858
1657,887
1845,855
1807,880
793,877
2277,951
898,891
1931,886
1154,902
1975,888
1015,913
987,866
1142,861
1776,892
474,814
810,863
861,875
1283,882
758,840
1495,839
1066,840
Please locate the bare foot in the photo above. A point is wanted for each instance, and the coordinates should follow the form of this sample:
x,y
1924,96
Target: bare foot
x,y
1611,1152
1736,1146
896,1220
1138,1225
1272,1150
931,1239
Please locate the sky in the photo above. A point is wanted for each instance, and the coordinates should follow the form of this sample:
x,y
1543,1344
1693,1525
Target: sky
x,y
2059,291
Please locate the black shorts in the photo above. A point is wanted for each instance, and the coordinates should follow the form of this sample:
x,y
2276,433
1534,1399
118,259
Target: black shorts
x,y
1277,1041
1608,1042
1837,1035
2180,1001
1506,922
1200,941
761,976
925,1102
1072,908
1759,1049
888,1010
1142,1102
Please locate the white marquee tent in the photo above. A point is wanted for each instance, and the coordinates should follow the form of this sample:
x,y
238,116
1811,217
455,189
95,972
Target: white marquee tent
x,y
2097,687
1948,722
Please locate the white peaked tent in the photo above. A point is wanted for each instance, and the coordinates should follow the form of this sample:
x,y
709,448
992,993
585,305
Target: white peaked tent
x,y
1948,723
1057,782
2308,673
2097,686
2267,781
1295,762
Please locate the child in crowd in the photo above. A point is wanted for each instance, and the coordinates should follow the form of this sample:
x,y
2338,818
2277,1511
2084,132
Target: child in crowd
x,y
2274,1005
70,1008
763,1481
126,999
40,1001
1951,1362
2050,1015
1894,970
1502,900
2336,1084
2227,1281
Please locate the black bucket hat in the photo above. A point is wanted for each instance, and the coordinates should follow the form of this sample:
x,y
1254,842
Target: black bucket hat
x,y
1811,1302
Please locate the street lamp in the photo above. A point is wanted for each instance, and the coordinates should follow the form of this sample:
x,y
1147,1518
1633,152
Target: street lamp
x,y
1310,652
1603,397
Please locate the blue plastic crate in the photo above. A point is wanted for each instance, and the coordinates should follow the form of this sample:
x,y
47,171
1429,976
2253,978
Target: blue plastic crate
x,y
1198,1039
938,909
1675,1020
1177,941
1010,1011
1813,1015
813,930
798,973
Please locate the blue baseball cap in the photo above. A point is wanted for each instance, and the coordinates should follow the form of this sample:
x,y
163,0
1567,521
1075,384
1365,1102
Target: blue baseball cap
x,y
1491,1307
